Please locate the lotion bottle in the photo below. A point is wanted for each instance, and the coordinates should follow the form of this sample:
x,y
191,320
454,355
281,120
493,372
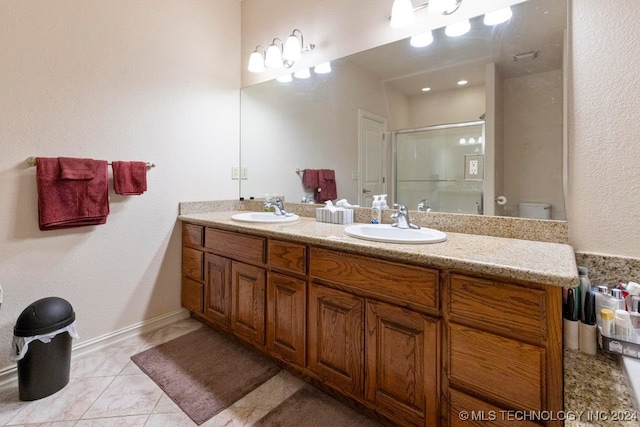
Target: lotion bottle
x,y
375,210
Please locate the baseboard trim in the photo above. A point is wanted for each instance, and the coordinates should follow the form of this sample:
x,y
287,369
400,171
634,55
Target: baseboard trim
x,y
10,373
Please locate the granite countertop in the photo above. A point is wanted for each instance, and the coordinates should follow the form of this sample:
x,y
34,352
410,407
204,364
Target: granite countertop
x,y
596,392
539,262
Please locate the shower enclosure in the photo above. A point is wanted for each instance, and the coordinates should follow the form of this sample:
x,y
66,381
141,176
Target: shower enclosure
x,y
441,168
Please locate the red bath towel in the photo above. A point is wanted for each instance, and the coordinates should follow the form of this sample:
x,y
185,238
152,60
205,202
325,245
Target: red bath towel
x,y
67,203
129,178
326,186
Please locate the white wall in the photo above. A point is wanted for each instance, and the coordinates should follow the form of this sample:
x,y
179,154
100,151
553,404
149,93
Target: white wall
x,y
151,80
604,127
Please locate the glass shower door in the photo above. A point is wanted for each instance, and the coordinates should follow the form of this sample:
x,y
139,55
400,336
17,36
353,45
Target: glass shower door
x,y
443,165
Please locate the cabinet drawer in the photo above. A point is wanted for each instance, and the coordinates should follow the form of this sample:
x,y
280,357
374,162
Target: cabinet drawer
x,y
192,263
467,411
287,256
507,371
192,235
405,285
506,309
235,245
192,296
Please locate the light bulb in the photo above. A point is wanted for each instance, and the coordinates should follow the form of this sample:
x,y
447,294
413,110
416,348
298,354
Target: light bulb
x,y
463,141
454,30
498,16
292,48
323,68
286,78
274,57
422,40
402,14
302,74
256,62
462,82
472,140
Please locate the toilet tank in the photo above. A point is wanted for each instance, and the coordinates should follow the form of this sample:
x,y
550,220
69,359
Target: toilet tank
x,y
534,210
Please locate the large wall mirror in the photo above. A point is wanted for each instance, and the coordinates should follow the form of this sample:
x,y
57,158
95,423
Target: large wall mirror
x,y
370,121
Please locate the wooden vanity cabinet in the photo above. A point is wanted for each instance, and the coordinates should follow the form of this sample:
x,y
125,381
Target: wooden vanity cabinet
x,y
414,344
369,336
235,283
287,301
192,292
335,338
402,363
503,347
248,289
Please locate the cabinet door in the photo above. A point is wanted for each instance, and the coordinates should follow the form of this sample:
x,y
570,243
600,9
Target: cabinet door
x,y
286,317
336,338
191,295
217,290
402,363
248,285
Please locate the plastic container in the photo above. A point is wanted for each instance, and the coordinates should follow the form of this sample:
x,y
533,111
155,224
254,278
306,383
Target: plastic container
x,y
376,210
42,345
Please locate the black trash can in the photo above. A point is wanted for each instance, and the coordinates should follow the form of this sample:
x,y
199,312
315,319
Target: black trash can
x,y
45,367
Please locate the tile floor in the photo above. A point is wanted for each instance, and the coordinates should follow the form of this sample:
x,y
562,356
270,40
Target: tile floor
x,y
107,389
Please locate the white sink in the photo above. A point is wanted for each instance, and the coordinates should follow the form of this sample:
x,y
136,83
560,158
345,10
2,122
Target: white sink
x,y
388,234
264,217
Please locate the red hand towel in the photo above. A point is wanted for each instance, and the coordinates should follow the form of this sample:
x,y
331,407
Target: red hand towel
x,y
72,168
326,186
129,178
66,203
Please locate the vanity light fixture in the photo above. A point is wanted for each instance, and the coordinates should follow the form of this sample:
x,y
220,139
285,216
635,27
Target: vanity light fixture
x,y
323,68
498,16
256,60
443,7
422,39
403,12
462,82
280,54
273,57
426,89
285,78
302,74
458,28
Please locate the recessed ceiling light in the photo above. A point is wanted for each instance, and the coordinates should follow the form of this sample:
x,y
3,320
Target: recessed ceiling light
x,y
462,82
425,89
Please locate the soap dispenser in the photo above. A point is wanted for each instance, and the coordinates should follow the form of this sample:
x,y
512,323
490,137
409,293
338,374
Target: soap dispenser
x,y
375,210
383,202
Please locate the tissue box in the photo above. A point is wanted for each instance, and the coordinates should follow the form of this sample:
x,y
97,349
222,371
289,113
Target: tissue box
x,y
337,216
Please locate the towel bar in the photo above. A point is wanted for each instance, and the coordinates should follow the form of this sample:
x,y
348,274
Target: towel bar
x,y
31,161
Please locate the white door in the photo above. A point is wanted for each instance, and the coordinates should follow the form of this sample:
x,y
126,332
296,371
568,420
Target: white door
x,y
372,154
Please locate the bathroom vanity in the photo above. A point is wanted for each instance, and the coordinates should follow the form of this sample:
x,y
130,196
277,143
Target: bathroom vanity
x,y
419,334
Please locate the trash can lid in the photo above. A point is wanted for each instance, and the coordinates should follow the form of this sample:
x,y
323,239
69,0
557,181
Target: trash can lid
x,y
44,316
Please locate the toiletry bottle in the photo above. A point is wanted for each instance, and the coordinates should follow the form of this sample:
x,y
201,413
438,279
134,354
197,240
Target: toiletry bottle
x,y
624,330
585,288
633,313
587,328
375,210
383,202
619,300
614,301
608,322
570,321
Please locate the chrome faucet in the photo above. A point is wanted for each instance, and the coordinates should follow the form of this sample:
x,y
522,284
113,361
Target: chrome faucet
x,y
276,204
423,207
402,217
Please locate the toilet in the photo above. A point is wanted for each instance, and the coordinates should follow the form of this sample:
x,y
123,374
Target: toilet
x,y
534,210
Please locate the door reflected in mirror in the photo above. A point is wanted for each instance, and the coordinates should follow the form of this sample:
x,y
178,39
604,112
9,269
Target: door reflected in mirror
x,y
515,85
